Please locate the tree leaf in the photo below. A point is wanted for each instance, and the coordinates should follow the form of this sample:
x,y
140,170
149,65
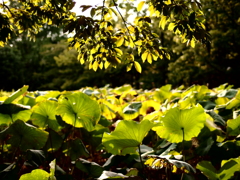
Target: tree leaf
x,y
79,110
120,41
126,137
149,58
177,121
144,56
163,22
140,6
137,66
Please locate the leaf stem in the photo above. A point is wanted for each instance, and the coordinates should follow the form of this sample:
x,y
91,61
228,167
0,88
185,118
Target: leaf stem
x,y
103,10
183,144
183,150
140,157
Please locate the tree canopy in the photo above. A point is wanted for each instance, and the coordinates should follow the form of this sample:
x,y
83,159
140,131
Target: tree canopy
x,y
97,39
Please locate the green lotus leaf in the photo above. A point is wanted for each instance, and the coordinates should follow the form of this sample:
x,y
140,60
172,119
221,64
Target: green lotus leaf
x,y
54,141
37,174
25,136
112,175
44,115
233,126
227,170
77,149
91,168
44,95
122,89
127,136
130,113
163,93
208,169
132,108
177,122
15,95
28,100
79,110
12,112
234,102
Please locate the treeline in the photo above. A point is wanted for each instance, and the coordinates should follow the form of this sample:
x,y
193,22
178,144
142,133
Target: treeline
x,y
47,63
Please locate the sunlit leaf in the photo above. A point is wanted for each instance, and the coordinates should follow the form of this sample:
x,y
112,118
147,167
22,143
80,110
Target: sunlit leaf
x,y
137,66
140,5
233,127
127,136
15,95
120,41
37,174
44,114
79,110
163,22
178,123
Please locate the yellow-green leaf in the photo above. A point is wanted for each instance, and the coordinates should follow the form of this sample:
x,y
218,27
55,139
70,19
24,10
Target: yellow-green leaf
x,y
149,58
95,66
168,56
137,66
120,41
192,43
129,67
171,26
106,64
144,56
163,21
140,5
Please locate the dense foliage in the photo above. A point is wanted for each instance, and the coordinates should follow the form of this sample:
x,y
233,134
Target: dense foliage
x,y
122,132
96,39
48,64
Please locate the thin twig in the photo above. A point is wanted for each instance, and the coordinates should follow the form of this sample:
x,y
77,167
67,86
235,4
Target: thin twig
x,y
5,6
124,22
103,10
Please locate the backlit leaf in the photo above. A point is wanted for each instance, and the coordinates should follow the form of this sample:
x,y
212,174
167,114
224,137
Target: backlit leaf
x,y
44,115
177,121
144,56
37,174
15,95
79,110
25,136
137,66
120,41
126,137
140,5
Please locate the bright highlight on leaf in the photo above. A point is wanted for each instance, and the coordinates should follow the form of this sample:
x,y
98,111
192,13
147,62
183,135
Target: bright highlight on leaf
x,y
127,136
178,123
79,110
137,66
140,5
44,115
227,170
